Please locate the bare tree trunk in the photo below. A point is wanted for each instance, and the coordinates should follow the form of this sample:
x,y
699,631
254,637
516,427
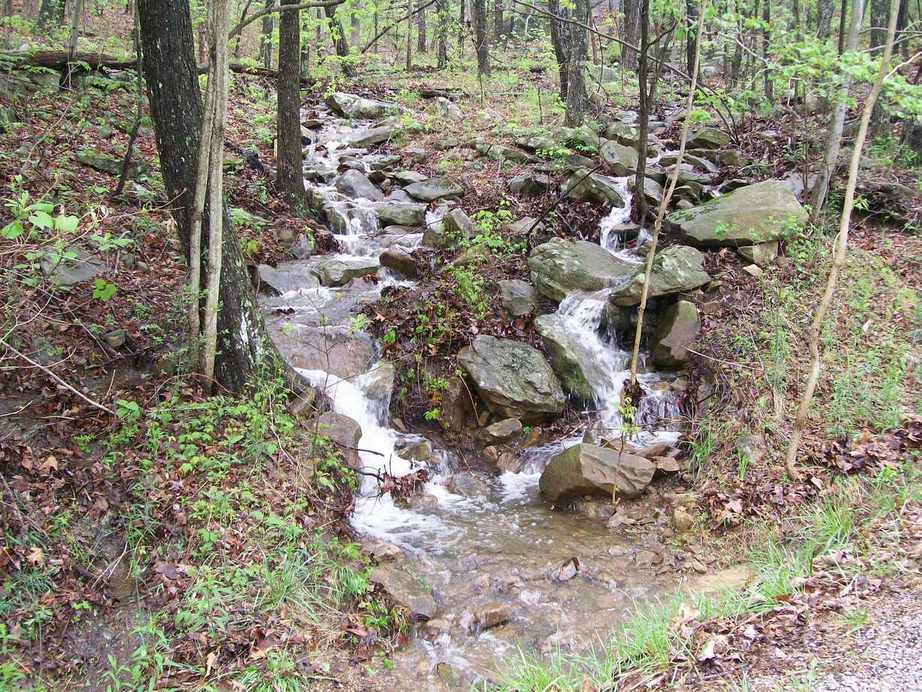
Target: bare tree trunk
x,y
290,175
265,41
50,15
840,249
355,25
644,114
843,11
667,195
73,39
766,39
498,27
691,39
632,11
834,140
409,63
339,40
481,38
443,18
560,44
421,38
577,99
824,12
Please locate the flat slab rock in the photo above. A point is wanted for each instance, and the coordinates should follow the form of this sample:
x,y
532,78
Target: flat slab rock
x,y
586,469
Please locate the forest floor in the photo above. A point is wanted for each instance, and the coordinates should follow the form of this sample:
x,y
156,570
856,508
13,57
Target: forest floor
x,y
199,539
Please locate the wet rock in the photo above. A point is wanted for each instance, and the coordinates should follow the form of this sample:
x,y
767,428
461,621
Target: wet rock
x,y
652,191
492,615
519,298
355,185
501,431
468,484
434,188
531,184
415,450
590,470
676,331
401,262
302,247
337,350
677,269
620,160
358,107
340,271
381,551
69,271
378,383
560,266
593,187
708,138
508,462
373,135
513,379
436,627
576,366
594,508
682,520
341,430
761,254
456,405
447,673
401,214
406,588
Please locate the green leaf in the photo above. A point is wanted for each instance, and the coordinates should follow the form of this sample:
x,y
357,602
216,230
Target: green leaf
x,y
104,290
41,219
65,224
42,206
12,230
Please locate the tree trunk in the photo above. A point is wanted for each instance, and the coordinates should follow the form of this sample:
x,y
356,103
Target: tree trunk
x,y
290,175
355,25
176,108
443,17
577,101
632,10
843,11
265,40
691,38
243,16
463,24
878,36
824,12
766,39
73,39
481,39
498,27
339,40
558,40
644,110
834,140
50,15
421,38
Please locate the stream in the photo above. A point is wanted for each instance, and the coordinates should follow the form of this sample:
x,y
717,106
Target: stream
x,y
487,561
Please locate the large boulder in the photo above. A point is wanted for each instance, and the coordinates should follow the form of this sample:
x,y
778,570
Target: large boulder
x,y
518,297
336,271
676,269
341,430
351,106
337,350
593,188
577,367
560,266
747,216
286,276
513,379
531,184
586,469
400,261
366,137
708,138
434,188
355,185
677,328
401,214
621,160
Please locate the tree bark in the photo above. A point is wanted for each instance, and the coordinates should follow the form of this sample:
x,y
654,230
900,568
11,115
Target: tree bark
x,y
481,39
498,26
766,40
834,140
176,108
50,15
691,39
290,174
558,40
840,249
644,110
421,29
577,100
265,40
443,18
632,11
339,40
824,12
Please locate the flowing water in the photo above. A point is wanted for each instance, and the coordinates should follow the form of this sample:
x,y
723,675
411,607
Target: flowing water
x,y
477,547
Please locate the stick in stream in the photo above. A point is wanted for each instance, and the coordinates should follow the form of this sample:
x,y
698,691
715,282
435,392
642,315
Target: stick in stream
x,y
840,249
664,203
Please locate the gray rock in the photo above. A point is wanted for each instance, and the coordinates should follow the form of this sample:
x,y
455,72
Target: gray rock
x,y
593,188
676,269
576,367
373,135
531,184
447,109
434,188
535,143
302,247
355,185
500,152
409,177
286,276
401,262
407,588
401,214
519,298
341,430
335,271
358,107
513,379
590,470
415,450
652,191
378,383
676,330
70,271
750,215
501,431
336,350
468,484
621,160
456,405
524,225
111,165
708,138
623,133
560,266
761,254
458,225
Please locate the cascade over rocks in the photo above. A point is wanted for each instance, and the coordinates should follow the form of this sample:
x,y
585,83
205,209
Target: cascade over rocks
x,y
586,469
512,378
355,185
560,266
677,269
750,215
577,367
338,350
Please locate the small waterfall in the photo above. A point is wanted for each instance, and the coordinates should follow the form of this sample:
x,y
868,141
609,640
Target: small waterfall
x,y
616,217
